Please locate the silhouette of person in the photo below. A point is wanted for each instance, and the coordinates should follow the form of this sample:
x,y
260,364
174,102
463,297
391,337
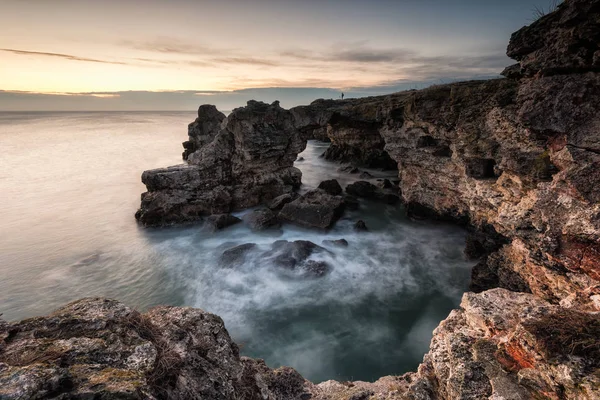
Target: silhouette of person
x,y
342,95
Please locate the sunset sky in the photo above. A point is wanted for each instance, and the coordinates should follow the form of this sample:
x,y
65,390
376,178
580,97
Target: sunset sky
x,y
116,54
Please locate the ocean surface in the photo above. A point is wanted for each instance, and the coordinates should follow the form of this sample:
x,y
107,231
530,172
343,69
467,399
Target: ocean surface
x,y
70,185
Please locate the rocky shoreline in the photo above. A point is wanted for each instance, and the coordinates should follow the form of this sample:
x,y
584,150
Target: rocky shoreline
x,y
517,160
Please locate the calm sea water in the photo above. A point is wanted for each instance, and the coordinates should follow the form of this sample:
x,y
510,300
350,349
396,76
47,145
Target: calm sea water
x,y
70,185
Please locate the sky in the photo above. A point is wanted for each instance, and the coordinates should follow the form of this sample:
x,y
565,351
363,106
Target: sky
x,y
177,54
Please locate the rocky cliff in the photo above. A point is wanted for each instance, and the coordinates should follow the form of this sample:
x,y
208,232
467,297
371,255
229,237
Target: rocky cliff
x,y
233,163
516,159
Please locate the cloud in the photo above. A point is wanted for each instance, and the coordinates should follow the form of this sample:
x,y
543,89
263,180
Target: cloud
x,y
401,62
167,45
60,55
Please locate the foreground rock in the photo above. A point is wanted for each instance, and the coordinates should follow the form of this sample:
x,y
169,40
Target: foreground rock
x,y
99,348
248,162
316,209
499,344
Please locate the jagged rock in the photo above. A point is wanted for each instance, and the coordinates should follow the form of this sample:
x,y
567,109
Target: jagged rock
x,y
204,129
262,219
311,120
220,221
331,186
316,209
562,42
338,243
300,159
236,255
280,201
247,163
99,348
360,226
365,175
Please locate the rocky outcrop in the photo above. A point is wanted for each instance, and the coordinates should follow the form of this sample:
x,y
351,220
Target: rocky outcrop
x,y
499,344
352,126
248,162
101,349
316,209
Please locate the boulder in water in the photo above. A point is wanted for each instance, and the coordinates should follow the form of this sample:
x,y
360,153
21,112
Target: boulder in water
x,y
331,186
236,255
362,189
338,243
360,226
295,256
316,209
261,219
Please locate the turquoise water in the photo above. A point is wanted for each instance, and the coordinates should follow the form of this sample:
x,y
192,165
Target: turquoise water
x,y
70,185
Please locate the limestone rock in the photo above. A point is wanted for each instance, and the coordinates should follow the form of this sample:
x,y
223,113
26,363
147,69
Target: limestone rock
x,y
248,161
99,348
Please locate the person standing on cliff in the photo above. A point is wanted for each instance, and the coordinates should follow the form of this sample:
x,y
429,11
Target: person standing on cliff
x,y
342,95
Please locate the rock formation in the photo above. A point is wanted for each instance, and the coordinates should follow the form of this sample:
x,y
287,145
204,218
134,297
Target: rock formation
x,y
516,159
351,126
233,163
101,349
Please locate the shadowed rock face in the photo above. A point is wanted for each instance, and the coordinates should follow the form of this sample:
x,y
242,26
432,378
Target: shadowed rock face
x,y
238,162
352,126
204,129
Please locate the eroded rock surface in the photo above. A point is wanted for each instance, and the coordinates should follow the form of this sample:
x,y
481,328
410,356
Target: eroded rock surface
x,y
99,348
240,161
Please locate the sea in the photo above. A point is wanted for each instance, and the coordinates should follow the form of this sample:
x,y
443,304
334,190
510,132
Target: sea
x,y
69,188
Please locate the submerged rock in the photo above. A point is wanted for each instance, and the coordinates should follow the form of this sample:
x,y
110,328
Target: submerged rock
x,y
295,256
236,255
360,226
337,242
316,209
